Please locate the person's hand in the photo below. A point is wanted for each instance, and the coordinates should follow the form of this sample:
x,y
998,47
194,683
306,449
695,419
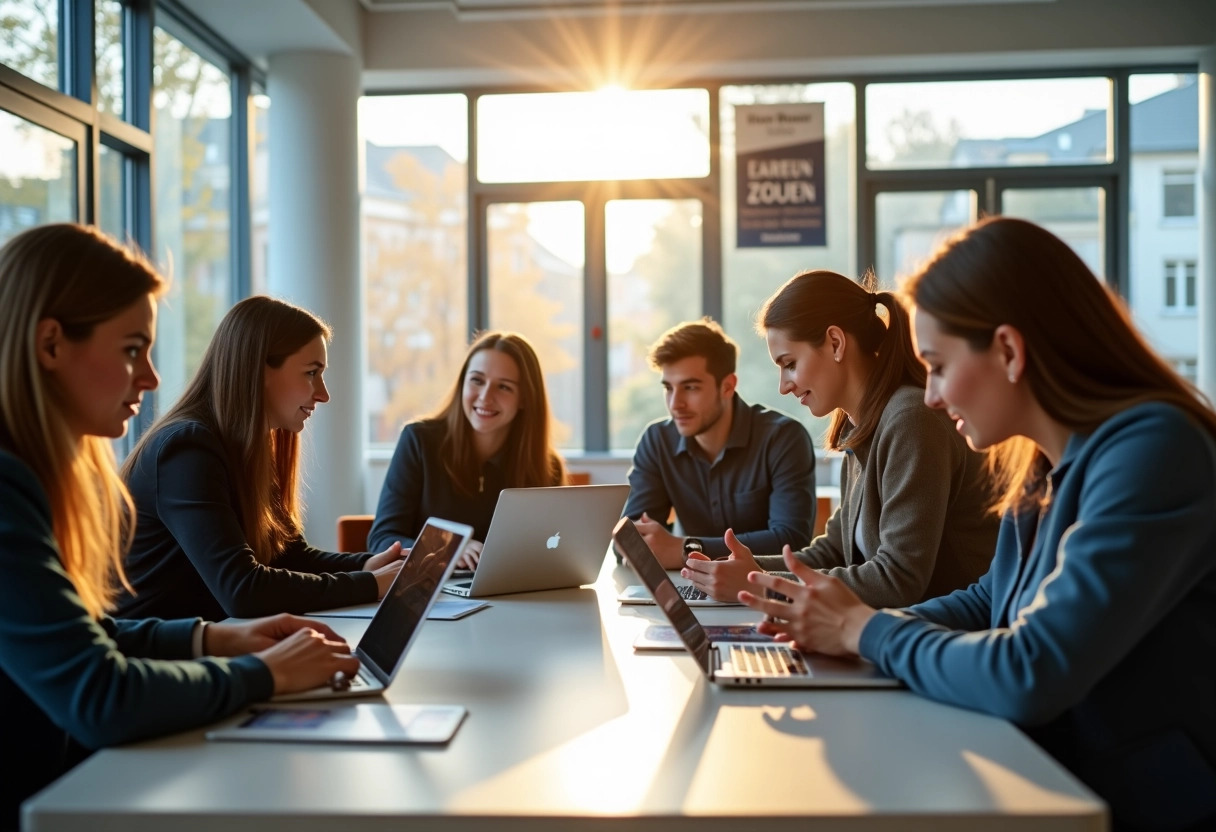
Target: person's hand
x,y
668,548
229,638
389,555
307,658
385,576
822,616
470,556
722,580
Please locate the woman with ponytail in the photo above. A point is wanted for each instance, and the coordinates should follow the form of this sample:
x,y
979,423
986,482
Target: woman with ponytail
x,y
914,520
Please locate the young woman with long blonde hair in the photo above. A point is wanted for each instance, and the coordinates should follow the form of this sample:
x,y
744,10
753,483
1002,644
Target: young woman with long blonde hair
x,y
77,322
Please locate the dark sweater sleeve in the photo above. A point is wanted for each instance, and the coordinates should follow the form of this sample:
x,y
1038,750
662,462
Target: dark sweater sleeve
x,y
194,503
647,491
399,512
298,555
73,667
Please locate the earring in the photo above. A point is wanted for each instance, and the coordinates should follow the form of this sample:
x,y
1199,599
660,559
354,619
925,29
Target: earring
x,y
837,359
1012,379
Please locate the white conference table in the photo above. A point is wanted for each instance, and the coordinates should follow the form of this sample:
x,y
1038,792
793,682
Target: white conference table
x,y
569,728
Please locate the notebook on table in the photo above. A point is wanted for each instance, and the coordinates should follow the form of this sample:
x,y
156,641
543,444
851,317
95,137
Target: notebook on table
x,y
544,538
734,663
367,722
396,622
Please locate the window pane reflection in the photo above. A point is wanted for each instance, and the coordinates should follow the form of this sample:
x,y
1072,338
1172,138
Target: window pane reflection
x,y
37,176
110,58
414,236
29,39
609,134
654,283
962,124
911,225
536,288
192,100
112,202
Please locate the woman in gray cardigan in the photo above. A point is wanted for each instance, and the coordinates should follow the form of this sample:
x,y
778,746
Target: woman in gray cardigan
x,y
914,520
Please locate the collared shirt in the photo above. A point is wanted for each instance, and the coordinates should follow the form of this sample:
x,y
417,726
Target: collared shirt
x,y
762,483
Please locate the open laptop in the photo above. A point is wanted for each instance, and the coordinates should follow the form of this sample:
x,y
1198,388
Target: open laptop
x,y
734,663
692,596
394,626
544,538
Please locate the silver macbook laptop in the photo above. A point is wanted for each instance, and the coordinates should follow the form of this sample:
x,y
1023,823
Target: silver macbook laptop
x,y
395,624
545,538
734,663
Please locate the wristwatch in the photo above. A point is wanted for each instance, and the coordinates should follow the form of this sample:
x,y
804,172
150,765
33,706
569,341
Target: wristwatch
x,y
693,544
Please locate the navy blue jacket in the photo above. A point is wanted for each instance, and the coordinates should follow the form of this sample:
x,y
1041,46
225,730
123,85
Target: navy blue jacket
x,y
191,557
70,683
1097,634
417,486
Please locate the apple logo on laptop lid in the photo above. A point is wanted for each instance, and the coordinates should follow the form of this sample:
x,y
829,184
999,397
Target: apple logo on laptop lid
x,y
552,542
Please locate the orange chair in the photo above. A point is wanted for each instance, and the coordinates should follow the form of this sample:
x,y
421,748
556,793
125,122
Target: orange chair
x,y
823,510
579,477
352,532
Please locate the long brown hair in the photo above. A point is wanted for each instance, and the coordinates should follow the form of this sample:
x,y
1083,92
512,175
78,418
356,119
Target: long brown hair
x,y
1085,361
530,458
811,301
227,394
80,278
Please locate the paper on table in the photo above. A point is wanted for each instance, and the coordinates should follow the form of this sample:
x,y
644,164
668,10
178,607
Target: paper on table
x,y
444,609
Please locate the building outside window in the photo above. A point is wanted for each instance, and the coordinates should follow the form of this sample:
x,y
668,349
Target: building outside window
x,y
1180,285
1178,194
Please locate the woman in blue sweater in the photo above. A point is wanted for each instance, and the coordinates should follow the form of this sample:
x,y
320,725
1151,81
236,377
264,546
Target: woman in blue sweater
x,y
77,321
1095,629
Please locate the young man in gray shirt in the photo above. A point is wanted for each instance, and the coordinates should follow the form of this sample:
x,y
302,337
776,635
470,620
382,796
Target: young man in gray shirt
x,y
718,461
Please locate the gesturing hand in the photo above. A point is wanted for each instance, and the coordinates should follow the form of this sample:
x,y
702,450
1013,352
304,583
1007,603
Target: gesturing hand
x,y
722,580
822,615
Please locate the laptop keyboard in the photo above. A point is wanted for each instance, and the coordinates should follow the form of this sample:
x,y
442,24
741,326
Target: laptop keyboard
x,y
690,593
767,660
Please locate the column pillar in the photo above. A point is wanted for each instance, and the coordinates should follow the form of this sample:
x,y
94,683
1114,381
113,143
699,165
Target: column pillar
x,y
314,261
1205,182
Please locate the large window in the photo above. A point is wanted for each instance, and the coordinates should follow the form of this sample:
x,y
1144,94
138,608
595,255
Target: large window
x,y
37,176
91,158
601,218
1164,236
193,102
414,237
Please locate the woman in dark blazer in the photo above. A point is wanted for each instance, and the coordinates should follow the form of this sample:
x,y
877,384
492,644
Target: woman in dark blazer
x,y
215,482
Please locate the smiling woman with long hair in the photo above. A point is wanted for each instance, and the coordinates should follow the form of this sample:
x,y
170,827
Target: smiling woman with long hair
x,y
77,322
491,433
216,482
1095,628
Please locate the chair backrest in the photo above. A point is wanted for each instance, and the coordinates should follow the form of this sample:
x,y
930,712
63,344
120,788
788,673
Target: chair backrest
x,y
579,477
823,510
352,532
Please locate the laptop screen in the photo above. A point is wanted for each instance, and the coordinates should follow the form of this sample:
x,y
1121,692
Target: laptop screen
x,y
408,600
633,548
